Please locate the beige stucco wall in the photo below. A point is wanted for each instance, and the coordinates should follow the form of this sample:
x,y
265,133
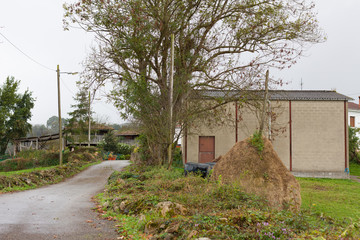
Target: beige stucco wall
x,y
224,135
248,123
318,136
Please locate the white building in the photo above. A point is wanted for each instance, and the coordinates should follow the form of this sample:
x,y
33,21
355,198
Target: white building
x,y
354,115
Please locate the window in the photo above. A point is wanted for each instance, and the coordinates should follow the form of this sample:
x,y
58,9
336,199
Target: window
x,y
352,121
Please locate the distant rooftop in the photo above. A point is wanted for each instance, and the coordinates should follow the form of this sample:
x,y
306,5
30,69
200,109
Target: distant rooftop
x,y
293,95
353,106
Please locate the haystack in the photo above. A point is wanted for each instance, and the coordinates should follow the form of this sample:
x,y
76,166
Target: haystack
x,y
262,174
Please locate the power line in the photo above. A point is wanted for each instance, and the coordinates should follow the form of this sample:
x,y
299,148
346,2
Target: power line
x,y
42,65
63,82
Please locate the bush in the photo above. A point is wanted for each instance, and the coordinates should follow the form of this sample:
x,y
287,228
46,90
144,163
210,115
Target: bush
x,y
256,140
41,158
354,145
177,158
110,142
125,149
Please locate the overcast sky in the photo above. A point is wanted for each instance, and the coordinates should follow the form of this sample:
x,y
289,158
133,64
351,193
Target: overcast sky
x,y
36,28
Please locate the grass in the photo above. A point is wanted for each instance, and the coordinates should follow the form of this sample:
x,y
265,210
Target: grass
x,y
337,198
36,172
219,211
354,169
25,171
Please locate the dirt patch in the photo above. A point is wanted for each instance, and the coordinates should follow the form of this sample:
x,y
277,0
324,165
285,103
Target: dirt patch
x,y
262,174
320,188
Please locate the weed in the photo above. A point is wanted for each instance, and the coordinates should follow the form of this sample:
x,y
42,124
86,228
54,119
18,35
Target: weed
x,y
213,209
256,140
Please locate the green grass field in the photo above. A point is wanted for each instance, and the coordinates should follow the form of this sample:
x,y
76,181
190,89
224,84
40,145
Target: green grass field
x,y
333,197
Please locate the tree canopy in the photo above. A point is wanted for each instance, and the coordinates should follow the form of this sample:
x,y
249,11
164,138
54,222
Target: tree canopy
x,y
219,45
52,124
15,112
80,116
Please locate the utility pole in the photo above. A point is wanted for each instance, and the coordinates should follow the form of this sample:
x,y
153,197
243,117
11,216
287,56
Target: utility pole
x,y
89,138
60,124
301,84
171,101
264,104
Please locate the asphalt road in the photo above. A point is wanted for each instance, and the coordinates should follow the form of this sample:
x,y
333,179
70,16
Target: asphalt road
x,y
60,211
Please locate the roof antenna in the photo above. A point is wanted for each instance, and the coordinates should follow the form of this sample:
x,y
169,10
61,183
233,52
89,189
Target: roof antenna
x,y
301,84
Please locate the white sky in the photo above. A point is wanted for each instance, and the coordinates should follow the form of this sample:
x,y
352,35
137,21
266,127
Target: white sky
x,y
36,28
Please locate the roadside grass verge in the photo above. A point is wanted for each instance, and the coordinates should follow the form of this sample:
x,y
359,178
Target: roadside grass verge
x,y
40,176
200,207
25,171
34,178
337,198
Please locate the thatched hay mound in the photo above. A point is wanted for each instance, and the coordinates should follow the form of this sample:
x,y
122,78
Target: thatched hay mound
x,y
262,174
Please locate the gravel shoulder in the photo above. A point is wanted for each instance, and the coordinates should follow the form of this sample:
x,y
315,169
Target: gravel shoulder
x,y
60,211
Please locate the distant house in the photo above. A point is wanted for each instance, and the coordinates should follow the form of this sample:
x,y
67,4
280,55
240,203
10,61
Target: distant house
x,y
127,136
79,136
354,114
311,138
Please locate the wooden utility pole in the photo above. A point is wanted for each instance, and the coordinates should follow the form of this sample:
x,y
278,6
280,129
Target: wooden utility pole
x,y
264,104
60,124
171,136
89,138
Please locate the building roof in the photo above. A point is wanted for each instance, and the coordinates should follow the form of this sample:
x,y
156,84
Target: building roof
x,y
94,126
353,106
127,133
293,95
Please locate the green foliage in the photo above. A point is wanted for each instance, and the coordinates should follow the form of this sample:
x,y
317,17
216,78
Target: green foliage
x,y
79,118
4,157
15,112
211,38
214,210
28,159
354,169
110,143
144,150
37,177
256,140
125,149
52,124
354,145
177,158
80,114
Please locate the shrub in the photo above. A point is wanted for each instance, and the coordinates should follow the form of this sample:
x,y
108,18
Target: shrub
x,y
354,145
110,142
41,158
256,141
125,149
177,158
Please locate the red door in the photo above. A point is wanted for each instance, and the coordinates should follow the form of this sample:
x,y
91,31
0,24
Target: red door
x,y
206,149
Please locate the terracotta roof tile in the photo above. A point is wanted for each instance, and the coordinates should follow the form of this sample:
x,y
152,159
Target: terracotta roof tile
x,y
353,106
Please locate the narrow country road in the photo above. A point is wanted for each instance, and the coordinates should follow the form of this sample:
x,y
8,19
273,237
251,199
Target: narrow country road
x,y
60,211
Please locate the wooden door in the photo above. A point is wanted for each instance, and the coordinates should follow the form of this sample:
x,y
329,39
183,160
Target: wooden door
x,y
352,121
206,148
